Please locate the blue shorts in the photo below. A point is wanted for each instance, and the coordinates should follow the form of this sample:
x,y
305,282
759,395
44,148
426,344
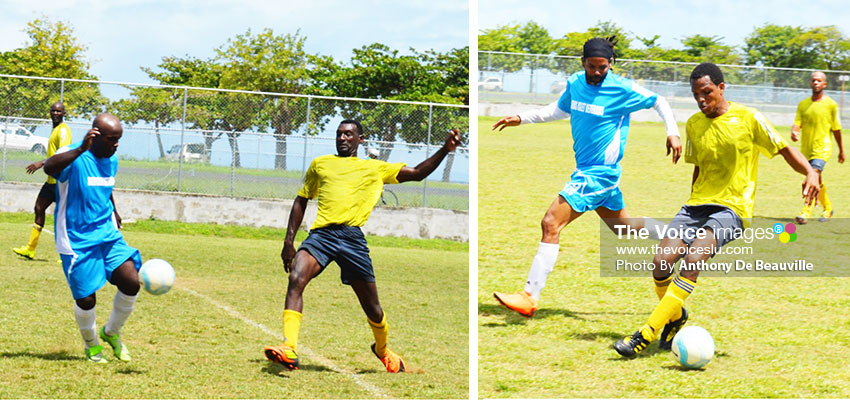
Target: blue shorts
x,y
587,191
817,164
88,269
727,225
344,244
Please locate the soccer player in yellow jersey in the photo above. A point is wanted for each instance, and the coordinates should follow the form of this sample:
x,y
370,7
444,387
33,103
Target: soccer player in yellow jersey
x,y
817,116
347,188
723,143
59,137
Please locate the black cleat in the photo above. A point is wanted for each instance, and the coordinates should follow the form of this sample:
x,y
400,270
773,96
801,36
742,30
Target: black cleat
x,y
630,346
670,331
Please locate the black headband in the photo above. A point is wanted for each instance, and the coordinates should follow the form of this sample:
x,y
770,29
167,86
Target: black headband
x,y
598,47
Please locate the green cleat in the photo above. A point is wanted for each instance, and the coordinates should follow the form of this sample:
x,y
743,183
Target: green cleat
x,y
95,354
24,251
118,348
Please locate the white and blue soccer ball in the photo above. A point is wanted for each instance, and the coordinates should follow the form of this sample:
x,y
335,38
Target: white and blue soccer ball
x,y
157,276
693,347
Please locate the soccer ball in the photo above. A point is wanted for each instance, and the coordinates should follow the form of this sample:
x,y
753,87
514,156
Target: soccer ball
x,y
157,276
693,347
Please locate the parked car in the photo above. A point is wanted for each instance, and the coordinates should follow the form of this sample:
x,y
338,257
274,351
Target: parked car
x,y
17,137
491,83
191,152
557,87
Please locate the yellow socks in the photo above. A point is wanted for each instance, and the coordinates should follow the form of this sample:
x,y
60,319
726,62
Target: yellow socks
x,y
381,330
34,235
661,286
291,326
670,307
823,199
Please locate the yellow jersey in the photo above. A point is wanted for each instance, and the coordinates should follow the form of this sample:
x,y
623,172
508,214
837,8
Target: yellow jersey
x,y
817,120
59,137
726,150
347,188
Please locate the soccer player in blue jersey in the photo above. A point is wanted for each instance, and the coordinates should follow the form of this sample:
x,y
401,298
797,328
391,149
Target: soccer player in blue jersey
x,y
89,243
598,103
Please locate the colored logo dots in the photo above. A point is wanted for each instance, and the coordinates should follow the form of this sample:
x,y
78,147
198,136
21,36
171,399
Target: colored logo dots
x,y
787,233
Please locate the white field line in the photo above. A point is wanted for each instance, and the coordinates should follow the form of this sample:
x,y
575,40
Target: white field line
x,y
374,391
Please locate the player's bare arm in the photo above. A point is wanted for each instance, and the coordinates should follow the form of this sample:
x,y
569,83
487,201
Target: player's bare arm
x,y
54,165
674,145
837,134
115,211
428,166
296,216
811,186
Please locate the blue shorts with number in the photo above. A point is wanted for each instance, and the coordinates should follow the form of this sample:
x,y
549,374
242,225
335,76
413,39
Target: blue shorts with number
x,y
593,187
344,244
88,269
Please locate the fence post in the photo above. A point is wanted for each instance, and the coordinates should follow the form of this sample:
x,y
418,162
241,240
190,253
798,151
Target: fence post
x,y
62,90
5,133
427,154
306,132
180,154
233,163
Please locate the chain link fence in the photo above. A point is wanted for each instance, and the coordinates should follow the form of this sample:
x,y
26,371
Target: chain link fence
x,y
233,143
539,79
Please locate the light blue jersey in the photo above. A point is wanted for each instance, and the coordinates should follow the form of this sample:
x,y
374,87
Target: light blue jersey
x,y
599,116
84,213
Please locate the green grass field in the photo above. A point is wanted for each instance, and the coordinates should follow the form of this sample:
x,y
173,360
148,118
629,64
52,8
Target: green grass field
x,y
775,337
205,338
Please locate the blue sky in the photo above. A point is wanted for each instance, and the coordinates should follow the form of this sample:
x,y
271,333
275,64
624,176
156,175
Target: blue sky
x,y
672,20
123,35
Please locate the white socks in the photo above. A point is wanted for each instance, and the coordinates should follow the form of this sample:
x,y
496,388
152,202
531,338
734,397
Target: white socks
x,y
86,320
122,306
541,266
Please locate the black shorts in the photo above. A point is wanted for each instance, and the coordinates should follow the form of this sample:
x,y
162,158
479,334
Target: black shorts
x,y
48,191
344,244
726,225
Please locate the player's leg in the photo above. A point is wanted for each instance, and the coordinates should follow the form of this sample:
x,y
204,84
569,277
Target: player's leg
x,y
613,218
304,268
672,303
367,294
823,197
558,216
45,197
122,264
806,212
84,274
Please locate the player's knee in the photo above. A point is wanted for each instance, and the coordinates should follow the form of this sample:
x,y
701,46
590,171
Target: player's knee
x,y
86,303
374,312
298,278
550,225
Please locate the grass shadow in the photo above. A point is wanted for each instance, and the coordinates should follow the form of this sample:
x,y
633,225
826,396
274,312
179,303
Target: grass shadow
x,y
513,318
283,372
129,371
53,356
593,336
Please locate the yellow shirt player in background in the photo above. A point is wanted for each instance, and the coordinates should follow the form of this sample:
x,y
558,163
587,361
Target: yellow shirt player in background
x,y
817,116
59,137
723,142
347,188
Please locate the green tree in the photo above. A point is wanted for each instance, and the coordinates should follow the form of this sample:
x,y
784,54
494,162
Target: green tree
x,y
830,48
503,38
778,46
52,51
159,106
271,63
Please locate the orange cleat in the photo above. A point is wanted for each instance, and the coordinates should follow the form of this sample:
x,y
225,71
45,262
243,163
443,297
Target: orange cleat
x,y
521,302
283,354
391,360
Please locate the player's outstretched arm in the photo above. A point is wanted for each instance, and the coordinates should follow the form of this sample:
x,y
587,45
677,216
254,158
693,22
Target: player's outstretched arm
x,y
674,145
54,165
35,166
296,215
811,186
428,166
837,134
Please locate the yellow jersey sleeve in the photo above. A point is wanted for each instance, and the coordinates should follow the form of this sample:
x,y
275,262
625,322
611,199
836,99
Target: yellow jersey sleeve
x,y
311,183
389,171
836,119
765,137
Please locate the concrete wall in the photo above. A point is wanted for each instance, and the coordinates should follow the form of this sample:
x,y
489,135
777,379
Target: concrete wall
x,y
420,223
